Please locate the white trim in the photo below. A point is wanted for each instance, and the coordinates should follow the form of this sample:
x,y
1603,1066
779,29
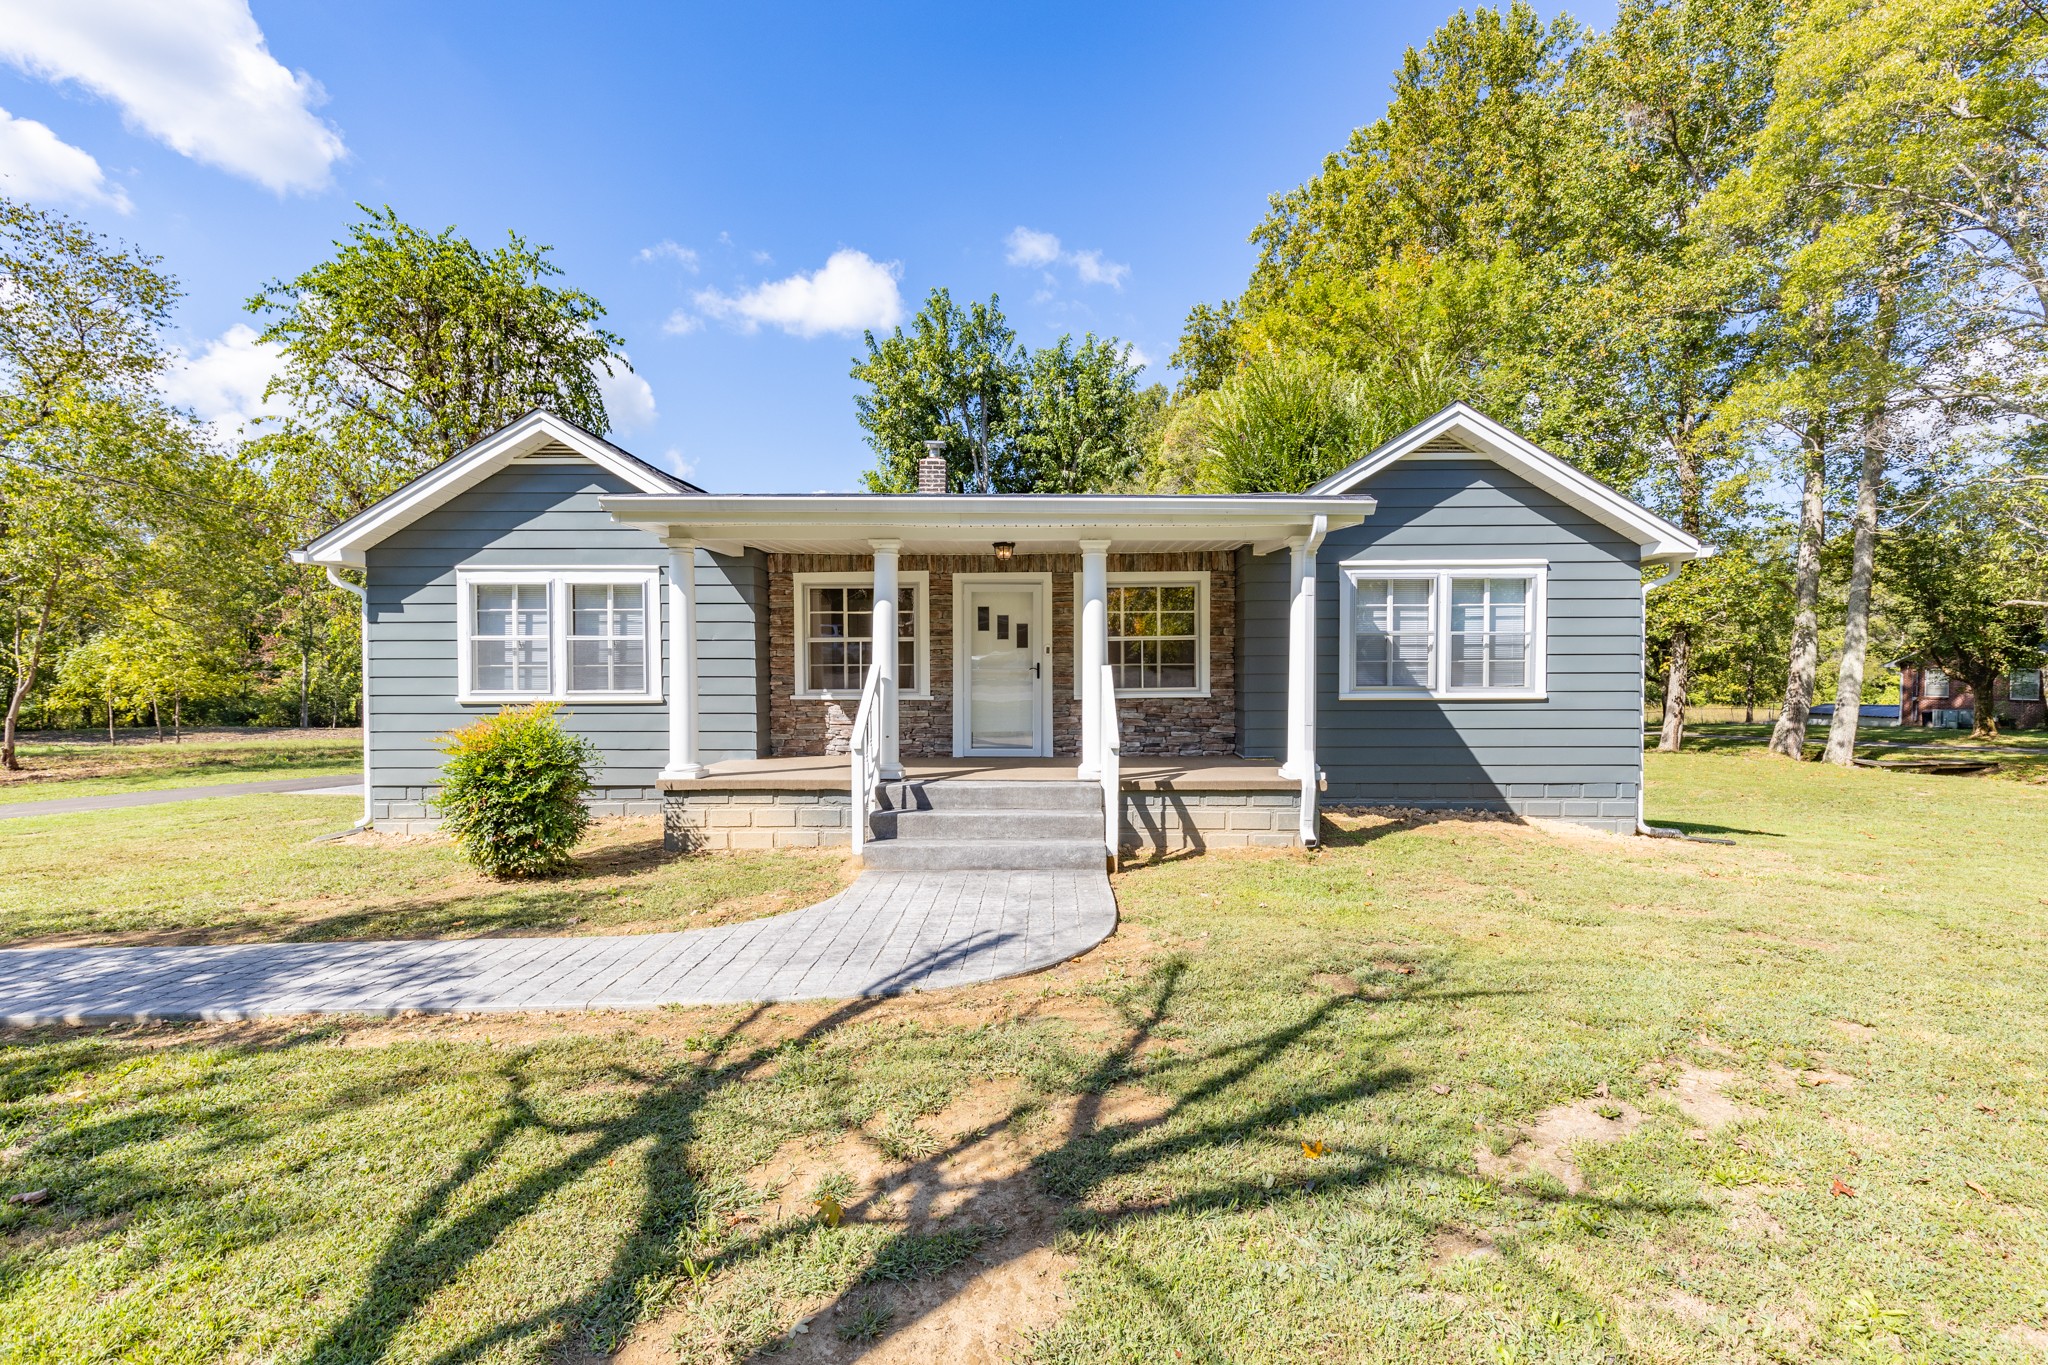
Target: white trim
x,y
800,616
557,582
1164,578
1439,573
1658,538
963,664
347,543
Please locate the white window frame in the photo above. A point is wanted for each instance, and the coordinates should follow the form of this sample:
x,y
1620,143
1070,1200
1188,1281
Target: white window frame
x,y
1164,578
1440,572
1948,684
800,619
2032,673
558,583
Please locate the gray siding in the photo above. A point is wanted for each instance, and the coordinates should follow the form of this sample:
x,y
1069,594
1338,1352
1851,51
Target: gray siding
x,y
732,654
1262,654
538,516
1576,755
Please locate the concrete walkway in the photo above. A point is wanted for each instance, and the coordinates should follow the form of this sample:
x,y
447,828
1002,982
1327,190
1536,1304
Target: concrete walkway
x,y
160,796
888,933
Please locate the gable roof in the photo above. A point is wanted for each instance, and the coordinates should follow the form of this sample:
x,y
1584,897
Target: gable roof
x,y
523,438
1462,430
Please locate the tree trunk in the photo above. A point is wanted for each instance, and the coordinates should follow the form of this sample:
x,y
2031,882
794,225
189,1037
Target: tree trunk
x,y
110,720
1676,680
1788,737
8,759
1983,706
1749,692
305,698
156,717
1841,749
178,719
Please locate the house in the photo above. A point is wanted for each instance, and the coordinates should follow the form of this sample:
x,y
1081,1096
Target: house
x,y
1455,621
1928,695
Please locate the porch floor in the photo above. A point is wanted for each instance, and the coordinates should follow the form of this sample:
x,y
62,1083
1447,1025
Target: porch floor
x,y
830,772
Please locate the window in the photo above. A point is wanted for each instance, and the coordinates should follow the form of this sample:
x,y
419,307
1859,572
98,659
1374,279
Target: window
x,y
835,634
607,637
1934,684
1469,631
2024,685
581,634
1158,627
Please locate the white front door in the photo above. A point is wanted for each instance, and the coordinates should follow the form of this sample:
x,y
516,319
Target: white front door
x,y
1002,634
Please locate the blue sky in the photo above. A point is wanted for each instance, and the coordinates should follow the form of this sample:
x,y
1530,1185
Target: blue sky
x,y
742,186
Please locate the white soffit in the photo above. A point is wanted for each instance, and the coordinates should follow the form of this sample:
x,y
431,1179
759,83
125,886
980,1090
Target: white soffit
x,y
537,438
1461,429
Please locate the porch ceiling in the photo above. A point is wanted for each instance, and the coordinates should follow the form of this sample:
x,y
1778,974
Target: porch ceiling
x,y
959,524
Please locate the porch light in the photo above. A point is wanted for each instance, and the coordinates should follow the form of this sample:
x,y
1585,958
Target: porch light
x,y
1004,549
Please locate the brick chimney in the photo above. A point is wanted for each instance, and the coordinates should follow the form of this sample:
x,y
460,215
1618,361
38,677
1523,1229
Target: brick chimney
x,y
931,470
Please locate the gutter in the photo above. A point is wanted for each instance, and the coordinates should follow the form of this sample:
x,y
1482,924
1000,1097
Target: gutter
x,y
1643,826
362,595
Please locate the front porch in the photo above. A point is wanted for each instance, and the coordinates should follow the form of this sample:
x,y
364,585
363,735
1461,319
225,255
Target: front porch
x,y
1169,805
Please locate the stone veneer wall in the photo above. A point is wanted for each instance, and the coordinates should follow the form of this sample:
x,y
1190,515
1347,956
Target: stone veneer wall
x,y
410,811
1154,823
1151,725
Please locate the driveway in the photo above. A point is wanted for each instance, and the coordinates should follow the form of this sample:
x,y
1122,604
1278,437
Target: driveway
x,y
122,800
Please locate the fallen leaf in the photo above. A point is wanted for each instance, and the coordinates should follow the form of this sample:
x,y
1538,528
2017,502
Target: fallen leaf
x,y
29,1198
1984,1108
1313,1150
1440,1090
830,1211
1840,1191
1978,1188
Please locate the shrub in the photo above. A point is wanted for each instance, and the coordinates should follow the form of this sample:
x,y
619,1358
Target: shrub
x,y
512,791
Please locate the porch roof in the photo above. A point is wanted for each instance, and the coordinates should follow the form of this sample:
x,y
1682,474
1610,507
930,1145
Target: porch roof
x,y
952,523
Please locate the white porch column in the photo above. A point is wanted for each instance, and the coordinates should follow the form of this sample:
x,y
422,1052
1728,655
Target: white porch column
x,y
1300,629
884,651
683,763
1093,639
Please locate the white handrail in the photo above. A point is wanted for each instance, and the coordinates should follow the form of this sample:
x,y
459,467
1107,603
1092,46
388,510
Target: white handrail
x,y
865,745
1111,763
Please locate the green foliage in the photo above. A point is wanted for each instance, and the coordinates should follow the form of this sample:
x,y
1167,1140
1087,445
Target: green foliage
x,y
1286,419
407,346
512,791
1062,419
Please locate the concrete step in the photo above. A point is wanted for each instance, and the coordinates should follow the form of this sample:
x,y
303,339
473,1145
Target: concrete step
x,y
983,855
987,824
965,794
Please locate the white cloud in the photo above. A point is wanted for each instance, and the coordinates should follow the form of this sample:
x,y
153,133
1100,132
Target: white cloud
x,y
681,323
223,384
682,467
36,164
195,75
1137,355
666,250
628,402
1026,247
851,292
1031,248
1092,269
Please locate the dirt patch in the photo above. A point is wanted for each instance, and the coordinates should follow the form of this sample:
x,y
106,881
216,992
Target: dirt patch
x,y
1455,1246
1854,1029
1793,1080
979,1312
1687,1307
2034,1338
1747,1215
1334,983
1700,1098
1545,1146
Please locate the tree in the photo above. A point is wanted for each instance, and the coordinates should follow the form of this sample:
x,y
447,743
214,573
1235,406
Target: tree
x,y
1081,417
406,347
1286,420
87,454
1968,583
956,376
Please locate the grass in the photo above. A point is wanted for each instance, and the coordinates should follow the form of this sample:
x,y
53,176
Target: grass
x,y
58,766
1862,977
242,869
2021,754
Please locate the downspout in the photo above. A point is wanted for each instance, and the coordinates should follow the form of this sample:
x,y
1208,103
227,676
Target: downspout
x,y
1312,775
1643,826
362,596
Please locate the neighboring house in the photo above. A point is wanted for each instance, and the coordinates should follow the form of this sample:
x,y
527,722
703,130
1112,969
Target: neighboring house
x,y
1930,696
1456,621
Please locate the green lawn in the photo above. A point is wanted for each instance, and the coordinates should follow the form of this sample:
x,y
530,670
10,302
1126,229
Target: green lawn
x,y
1575,1098
242,869
75,765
